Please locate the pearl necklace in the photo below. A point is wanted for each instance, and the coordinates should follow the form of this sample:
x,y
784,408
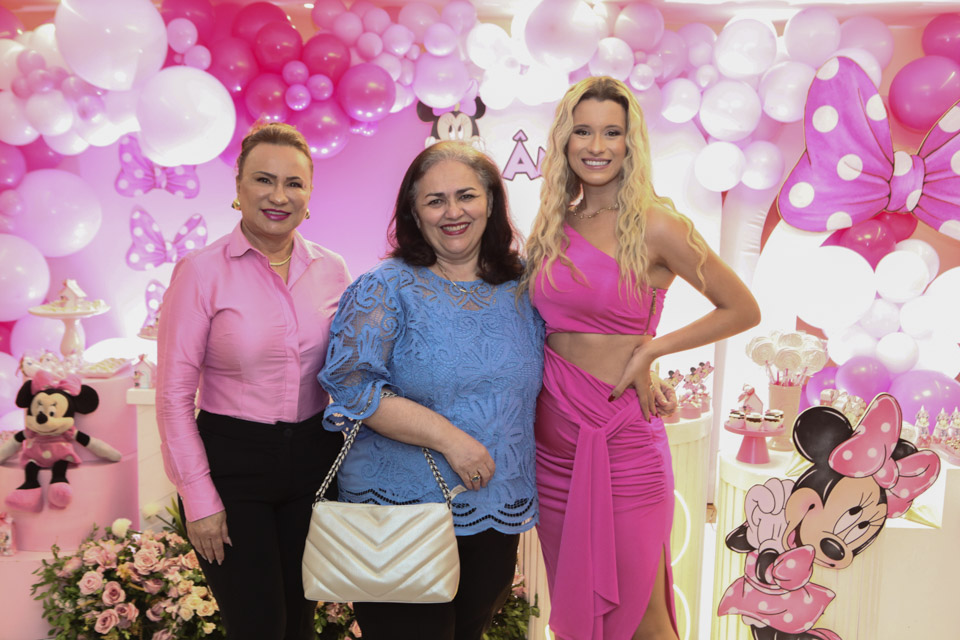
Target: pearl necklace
x,y
576,212
449,279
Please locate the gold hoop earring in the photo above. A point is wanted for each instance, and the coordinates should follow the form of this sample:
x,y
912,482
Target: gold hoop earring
x,y
236,204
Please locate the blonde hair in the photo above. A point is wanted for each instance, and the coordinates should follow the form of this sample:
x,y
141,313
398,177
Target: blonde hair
x,y
636,196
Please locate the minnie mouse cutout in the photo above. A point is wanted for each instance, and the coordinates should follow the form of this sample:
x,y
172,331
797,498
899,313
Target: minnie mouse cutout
x,y
860,477
458,122
47,441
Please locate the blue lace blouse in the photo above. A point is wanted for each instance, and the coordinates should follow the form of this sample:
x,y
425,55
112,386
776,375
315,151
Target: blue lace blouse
x,y
476,358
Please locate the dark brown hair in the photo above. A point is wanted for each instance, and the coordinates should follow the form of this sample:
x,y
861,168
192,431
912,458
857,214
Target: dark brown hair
x,y
279,133
499,259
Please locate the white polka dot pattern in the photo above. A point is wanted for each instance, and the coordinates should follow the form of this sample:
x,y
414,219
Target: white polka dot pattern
x,y
825,119
139,175
150,249
850,167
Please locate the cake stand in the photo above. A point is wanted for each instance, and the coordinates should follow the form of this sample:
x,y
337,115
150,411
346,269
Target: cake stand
x,y
73,338
753,449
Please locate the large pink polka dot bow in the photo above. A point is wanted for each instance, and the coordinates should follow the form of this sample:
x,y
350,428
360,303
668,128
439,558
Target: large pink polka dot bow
x,y
850,172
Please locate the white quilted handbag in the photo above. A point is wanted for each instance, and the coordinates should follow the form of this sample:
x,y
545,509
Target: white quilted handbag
x,y
380,553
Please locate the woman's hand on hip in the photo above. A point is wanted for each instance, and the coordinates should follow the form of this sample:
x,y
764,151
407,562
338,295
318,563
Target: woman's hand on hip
x,y
637,375
470,460
208,535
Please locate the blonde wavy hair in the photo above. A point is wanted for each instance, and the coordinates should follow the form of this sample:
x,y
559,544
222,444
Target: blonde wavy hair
x,y
636,196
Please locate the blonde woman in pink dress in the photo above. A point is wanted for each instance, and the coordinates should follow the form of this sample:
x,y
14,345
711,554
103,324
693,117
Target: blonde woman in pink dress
x,y
603,251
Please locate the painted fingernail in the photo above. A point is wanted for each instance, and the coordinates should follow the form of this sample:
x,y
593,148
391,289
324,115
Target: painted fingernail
x,y
610,399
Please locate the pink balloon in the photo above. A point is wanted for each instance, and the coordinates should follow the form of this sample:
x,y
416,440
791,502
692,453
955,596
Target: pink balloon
x,y
369,46
21,87
366,129
224,15
863,376
640,25
324,12
320,87
459,14
10,25
181,34
397,39
266,98
871,238
5,329
376,21
254,17
440,39
276,44
244,122
24,277
366,92
417,16
297,97
871,35
36,335
931,390
61,212
295,72
40,81
361,7
232,63
902,225
75,87
9,384
941,36
325,126
823,379
11,205
198,57
923,90
199,12
348,27
324,53
440,82
39,156
89,107
13,166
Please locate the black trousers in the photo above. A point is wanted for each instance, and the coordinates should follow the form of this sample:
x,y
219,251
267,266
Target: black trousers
x,y
488,561
267,476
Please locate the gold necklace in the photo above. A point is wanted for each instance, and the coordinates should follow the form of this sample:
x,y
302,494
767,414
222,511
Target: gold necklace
x,y
576,211
450,280
281,263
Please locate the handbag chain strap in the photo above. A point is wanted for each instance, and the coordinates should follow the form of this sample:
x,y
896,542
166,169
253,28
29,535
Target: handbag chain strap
x,y
351,436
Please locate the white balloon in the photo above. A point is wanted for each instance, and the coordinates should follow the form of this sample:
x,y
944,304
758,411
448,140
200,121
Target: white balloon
x,y
943,314
44,41
881,318
850,342
113,44
898,352
9,50
499,87
783,90
947,284
764,165
719,166
542,83
918,317
15,128
836,289
901,276
49,113
186,116
487,44
925,250
68,144
744,48
812,36
866,61
681,100
730,110
650,102
706,76
939,355
613,58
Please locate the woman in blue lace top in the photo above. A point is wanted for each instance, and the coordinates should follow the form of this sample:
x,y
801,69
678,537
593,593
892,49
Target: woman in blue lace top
x,y
439,325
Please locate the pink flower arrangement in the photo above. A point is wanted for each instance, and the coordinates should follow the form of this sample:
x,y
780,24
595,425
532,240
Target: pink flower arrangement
x,y
128,584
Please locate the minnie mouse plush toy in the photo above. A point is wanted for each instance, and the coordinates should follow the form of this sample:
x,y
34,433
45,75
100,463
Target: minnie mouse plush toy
x,y
47,441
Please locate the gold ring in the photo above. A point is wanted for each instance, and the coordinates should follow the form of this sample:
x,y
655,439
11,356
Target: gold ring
x,y
475,478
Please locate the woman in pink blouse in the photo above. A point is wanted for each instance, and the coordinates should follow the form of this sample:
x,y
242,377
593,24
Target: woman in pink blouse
x,y
246,320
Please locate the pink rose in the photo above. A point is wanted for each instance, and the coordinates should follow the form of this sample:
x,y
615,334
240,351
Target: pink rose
x,y
113,593
189,560
128,611
70,566
163,634
153,545
156,612
91,582
153,586
95,556
145,561
105,621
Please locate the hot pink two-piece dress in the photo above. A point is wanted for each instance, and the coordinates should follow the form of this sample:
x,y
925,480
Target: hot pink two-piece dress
x,y
603,470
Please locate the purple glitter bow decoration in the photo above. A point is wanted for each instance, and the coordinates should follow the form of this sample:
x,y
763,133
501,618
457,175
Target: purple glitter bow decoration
x,y
850,172
138,174
149,249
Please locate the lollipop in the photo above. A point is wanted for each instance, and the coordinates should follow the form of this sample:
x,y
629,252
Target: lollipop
x,y
793,339
763,351
788,359
814,359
